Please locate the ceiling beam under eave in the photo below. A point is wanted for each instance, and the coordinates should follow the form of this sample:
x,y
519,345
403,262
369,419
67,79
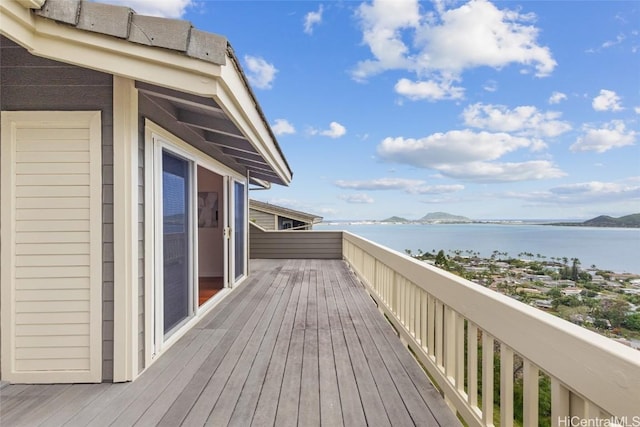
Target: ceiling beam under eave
x,y
180,98
265,177
208,123
252,167
231,152
229,141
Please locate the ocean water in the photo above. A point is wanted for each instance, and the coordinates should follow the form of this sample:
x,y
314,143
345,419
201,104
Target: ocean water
x,y
616,249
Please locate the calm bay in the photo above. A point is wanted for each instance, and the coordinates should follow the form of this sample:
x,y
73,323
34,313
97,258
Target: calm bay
x,y
616,249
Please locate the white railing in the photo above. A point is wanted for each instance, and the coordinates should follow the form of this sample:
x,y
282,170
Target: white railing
x,y
462,332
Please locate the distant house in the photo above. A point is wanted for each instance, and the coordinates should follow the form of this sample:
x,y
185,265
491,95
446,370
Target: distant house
x,y
571,291
128,146
272,217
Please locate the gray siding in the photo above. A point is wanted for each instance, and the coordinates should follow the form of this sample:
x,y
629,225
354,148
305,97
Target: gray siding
x,y
295,244
30,83
263,219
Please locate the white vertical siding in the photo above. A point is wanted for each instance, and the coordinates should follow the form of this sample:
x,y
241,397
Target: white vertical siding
x,y
52,275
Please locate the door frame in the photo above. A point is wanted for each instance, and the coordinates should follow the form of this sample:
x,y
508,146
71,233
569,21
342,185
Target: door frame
x,y
158,140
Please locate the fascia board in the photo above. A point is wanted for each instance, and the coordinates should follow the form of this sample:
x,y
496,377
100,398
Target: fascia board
x,y
31,4
48,39
235,99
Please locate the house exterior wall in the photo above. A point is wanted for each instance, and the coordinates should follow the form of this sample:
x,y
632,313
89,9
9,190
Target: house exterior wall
x,y
294,244
263,219
30,83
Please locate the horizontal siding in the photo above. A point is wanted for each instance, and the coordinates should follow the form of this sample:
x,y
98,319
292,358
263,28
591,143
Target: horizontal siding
x,y
295,244
28,82
52,287
263,219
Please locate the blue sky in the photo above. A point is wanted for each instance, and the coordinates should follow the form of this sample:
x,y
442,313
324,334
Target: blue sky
x,y
492,110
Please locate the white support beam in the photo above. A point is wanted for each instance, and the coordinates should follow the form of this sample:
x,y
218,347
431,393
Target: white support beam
x,y
125,229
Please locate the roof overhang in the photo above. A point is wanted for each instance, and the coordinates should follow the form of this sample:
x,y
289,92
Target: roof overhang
x,y
234,116
286,212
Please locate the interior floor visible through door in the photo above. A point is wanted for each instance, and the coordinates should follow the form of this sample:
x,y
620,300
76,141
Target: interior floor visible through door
x,y
208,287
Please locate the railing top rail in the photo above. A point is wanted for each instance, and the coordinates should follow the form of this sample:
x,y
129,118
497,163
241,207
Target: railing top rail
x,y
602,370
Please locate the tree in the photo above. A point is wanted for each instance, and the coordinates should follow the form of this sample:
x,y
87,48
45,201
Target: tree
x,y
575,269
441,259
632,322
615,311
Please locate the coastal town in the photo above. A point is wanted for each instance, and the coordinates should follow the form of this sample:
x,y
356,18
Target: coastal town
x,y
600,300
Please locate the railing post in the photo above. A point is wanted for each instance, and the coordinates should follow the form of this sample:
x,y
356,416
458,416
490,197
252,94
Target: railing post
x,y
460,354
424,320
439,325
472,364
560,409
487,379
506,386
531,386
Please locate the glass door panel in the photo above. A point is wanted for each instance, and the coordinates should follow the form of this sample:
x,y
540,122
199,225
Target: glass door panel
x,y
175,234
239,229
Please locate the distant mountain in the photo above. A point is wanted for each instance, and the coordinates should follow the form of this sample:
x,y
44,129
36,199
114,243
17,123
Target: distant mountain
x,y
395,219
443,217
628,221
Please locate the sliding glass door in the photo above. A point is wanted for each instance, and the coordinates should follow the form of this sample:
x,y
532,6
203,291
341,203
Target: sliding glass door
x,y
197,211
176,238
239,228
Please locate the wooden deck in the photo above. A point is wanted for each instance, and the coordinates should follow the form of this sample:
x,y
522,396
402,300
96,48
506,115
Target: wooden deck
x,y
300,343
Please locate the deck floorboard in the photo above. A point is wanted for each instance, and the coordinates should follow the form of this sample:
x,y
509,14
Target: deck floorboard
x,y
300,342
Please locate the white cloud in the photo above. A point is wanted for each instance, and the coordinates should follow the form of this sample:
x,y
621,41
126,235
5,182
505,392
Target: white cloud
x,y
447,42
451,147
611,135
336,130
311,19
503,172
608,100
557,97
283,127
430,90
524,120
469,155
380,184
359,198
164,8
637,110
437,189
260,73
490,86
619,39
585,193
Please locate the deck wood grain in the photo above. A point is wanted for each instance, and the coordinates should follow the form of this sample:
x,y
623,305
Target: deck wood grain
x,y
300,342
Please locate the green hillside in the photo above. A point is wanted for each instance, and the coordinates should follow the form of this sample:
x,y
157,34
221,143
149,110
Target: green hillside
x,y
443,217
627,221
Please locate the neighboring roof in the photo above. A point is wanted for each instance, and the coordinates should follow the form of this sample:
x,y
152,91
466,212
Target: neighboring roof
x,y
282,211
196,72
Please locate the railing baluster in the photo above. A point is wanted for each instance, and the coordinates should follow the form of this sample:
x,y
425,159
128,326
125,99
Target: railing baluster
x,y
416,310
424,320
460,353
531,386
559,403
472,364
431,326
487,379
411,318
506,386
439,335
449,344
